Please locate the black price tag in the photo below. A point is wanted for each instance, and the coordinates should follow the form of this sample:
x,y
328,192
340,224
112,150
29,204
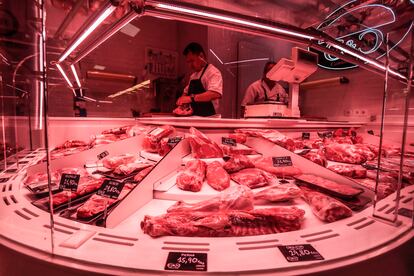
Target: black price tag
x,y
370,132
110,189
174,140
4,179
102,155
300,253
228,141
305,135
23,162
282,161
405,212
69,182
283,181
325,134
353,133
186,261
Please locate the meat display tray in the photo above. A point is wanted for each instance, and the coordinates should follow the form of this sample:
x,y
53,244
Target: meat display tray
x,y
44,202
70,213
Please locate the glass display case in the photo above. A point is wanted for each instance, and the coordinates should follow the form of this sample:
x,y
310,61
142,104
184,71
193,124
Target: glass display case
x,y
100,174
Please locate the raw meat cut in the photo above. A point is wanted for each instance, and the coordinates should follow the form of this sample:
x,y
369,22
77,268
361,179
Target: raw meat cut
x,y
115,161
139,176
235,198
266,164
183,110
224,224
346,153
238,149
329,185
353,171
217,177
316,156
192,176
54,175
72,144
129,168
202,146
237,163
325,207
384,188
151,141
164,146
240,138
102,139
276,193
383,176
135,130
272,135
86,185
253,178
96,203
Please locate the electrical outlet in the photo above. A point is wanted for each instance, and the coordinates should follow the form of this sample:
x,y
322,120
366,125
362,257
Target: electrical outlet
x,y
356,112
347,112
364,112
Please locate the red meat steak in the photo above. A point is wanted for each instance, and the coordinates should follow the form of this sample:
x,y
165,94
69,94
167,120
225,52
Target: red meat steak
x,y
192,176
252,178
237,163
266,164
202,146
217,177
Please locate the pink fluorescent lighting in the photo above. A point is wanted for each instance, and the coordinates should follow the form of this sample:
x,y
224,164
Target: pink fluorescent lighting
x,y
87,32
64,75
367,60
75,75
233,20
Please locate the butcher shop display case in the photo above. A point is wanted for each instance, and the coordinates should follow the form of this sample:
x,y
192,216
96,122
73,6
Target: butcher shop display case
x,y
171,194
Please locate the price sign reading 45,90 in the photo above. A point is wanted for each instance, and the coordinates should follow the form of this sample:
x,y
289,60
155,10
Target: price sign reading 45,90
x,y
69,182
110,189
300,253
186,261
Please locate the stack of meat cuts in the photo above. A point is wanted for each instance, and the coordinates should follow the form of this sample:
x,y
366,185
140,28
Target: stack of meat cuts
x,y
102,139
202,146
130,168
230,214
96,203
183,110
240,138
316,156
237,163
277,193
217,177
266,164
272,135
253,178
235,198
191,177
69,147
384,188
353,171
353,154
152,139
325,207
113,162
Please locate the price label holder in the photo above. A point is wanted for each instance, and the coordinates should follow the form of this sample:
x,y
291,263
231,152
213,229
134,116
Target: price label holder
x,y
109,189
186,261
282,161
228,141
69,182
305,135
172,141
370,132
300,253
405,212
102,155
327,134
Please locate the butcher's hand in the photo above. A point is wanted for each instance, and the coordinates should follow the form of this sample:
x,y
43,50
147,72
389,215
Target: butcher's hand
x,y
183,100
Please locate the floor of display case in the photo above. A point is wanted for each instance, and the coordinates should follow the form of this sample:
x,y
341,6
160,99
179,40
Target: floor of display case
x,y
87,247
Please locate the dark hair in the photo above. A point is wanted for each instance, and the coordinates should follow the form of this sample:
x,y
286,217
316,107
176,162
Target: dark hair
x,y
194,48
267,65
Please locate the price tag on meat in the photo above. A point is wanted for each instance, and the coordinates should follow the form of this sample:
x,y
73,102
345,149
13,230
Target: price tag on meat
x,y
305,135
103,155
110,189
282,161
300,253
69,182
186,261
228,141
174,140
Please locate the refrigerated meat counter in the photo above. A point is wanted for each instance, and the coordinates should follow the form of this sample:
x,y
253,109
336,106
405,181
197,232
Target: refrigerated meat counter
x,y
139,238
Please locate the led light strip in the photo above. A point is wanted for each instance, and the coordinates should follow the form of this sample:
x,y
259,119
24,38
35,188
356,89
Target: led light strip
x,y
233,20
87,32
64,75
75,75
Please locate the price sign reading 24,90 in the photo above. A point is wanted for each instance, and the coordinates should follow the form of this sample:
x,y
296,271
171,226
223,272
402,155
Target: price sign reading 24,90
x,y
186,261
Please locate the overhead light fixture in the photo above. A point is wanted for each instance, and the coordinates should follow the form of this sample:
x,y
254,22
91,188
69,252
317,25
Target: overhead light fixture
x,y
75,74
233,20
105,13
64,75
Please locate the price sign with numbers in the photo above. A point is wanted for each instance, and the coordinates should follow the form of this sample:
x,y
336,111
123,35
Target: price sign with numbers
x,y
300,253
69,182
110,189
174,140
228,141
370,132
327,134
102,155
186,261
305,135
282,161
